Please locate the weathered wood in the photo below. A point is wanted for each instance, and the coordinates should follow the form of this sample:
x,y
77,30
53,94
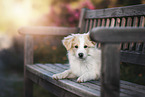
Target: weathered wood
x,y
28,59
112,22
87,25
103,22
108,23
82,20
45,71
129,23
65,84
123,21
28,50
126,87
99,23
135,24
117,35
133,57
110,70
138,45
61,67
94,24
48,30
49,86
142,23
136,10
118,22
91,23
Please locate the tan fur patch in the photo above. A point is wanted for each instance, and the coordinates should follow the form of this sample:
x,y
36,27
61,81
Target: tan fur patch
x,y
88,42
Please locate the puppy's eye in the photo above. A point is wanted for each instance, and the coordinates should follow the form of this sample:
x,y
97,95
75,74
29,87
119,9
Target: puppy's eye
x,y
85,46
76,46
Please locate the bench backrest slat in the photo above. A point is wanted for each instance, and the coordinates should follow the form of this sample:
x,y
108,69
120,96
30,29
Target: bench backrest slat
x,y
136,10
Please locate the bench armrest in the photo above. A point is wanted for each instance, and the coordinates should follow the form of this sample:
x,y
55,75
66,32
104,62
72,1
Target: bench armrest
x,y
110,39
29,32
48,30
118,34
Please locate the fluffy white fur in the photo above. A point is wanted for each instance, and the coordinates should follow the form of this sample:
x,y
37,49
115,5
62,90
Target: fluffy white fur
x,y
86,67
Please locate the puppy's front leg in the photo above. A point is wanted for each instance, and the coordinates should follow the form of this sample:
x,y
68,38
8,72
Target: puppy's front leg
x,y
65,74
88,76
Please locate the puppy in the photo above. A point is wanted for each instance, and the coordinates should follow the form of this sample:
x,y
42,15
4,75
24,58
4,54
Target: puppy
x,y
84,58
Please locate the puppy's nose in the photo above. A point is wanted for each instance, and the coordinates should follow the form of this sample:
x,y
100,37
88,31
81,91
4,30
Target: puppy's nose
x,y
81,55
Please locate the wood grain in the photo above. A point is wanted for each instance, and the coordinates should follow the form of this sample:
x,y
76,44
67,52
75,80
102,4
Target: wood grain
x,y
94,24
129,23
87,25
68,85
118,22
49,86
136,10
108,23
117,35
123,22
110,71
45,71
142,23
103,22
28,50
112,22
99,23
91,24
132,57
28,59
133,45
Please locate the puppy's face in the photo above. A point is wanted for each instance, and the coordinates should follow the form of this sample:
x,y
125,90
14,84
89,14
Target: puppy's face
x,y
78,45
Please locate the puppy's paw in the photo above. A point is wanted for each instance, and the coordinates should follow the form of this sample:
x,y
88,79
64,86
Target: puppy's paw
x,y
81,79
58,76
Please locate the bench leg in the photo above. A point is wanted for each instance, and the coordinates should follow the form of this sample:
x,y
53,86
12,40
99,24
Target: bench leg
x,y
110,70
28,88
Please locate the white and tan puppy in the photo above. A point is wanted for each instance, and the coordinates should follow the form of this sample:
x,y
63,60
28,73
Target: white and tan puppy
x,y
84,58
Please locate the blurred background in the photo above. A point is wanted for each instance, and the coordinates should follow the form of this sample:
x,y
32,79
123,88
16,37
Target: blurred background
x,y
17,13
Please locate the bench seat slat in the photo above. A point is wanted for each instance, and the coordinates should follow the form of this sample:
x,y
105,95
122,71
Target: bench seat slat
x,y
57,69
49,86
68,85
66,66
125,88
133,57
124,84
91,88
53,68
121,82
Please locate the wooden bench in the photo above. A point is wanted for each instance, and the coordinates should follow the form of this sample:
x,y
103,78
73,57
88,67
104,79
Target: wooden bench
x,y
121,25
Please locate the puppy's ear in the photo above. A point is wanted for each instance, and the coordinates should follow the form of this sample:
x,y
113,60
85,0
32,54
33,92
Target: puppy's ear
x,y
92,43
67,41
